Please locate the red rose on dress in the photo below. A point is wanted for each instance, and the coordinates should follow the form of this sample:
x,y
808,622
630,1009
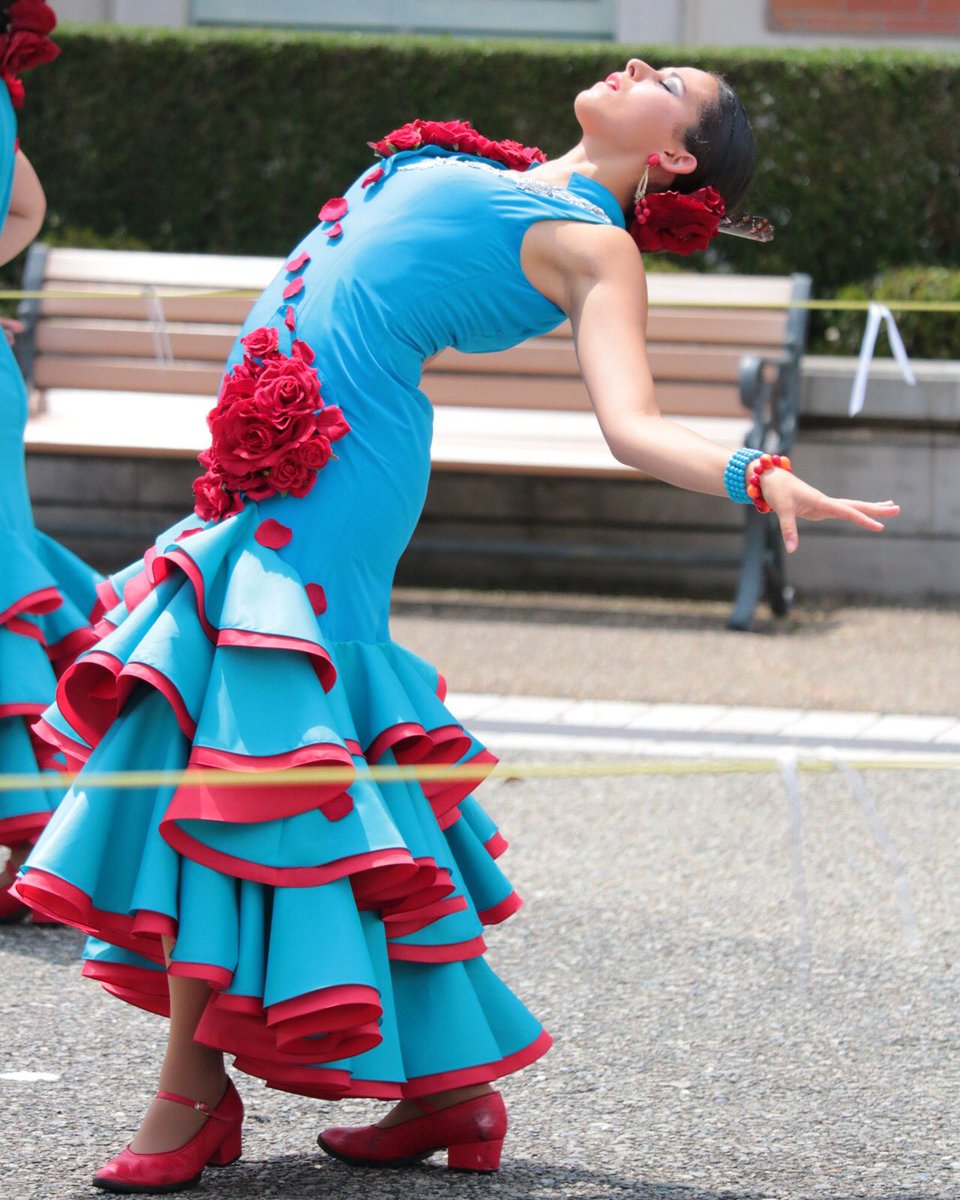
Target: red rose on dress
x,y
518,157
270,430
288,383
293,475
679,223
25,49
246,438
407,137
262,342
459,136
236,388
32,15
444,133
213,501
316,452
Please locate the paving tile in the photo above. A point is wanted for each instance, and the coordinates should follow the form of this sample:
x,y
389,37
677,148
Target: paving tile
x,y
684,718
614,714
754,720
528,710
821,723
903,728
467,706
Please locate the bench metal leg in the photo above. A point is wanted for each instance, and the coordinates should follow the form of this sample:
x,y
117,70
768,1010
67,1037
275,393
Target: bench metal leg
x,y
752,572
762,572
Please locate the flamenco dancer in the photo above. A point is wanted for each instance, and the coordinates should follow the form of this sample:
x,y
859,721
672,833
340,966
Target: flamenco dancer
x,y
330,937
46,593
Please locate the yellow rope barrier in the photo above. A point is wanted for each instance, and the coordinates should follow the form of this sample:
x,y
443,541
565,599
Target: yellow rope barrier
x,y
585,769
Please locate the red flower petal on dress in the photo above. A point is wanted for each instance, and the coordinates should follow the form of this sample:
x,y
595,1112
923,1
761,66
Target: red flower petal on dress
x,y
273,535
185,533
293,287
317,598
303,351
290,318
298,263
376,174
334,231
334,209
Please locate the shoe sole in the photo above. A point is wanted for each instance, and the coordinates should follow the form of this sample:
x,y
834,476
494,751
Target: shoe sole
x,y
145,1189
394,1163
410,1161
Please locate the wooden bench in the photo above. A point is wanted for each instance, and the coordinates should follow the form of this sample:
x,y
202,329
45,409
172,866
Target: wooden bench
x,y
94,364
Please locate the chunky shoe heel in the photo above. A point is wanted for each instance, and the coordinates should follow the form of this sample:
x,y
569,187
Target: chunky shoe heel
x,y
475,1156
229,1150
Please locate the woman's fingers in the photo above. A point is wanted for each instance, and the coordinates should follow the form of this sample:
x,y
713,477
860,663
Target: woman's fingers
x,y
788,529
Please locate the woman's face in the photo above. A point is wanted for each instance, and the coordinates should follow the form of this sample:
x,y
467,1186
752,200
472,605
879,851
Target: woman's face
x,y
641,110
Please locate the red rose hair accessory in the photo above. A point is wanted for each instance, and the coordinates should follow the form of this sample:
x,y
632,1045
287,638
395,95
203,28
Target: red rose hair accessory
x,y
679,222
461,137
24,42
271,432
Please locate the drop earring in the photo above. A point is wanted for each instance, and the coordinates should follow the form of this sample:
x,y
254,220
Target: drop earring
x,y
653,160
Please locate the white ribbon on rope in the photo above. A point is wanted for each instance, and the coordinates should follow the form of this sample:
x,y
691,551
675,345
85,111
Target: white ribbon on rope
x,y
875,314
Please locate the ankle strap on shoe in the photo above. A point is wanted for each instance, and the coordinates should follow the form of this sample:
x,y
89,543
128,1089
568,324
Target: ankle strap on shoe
x,y
197,1104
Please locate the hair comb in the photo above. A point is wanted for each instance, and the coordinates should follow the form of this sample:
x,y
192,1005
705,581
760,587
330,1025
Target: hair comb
x,y
754,229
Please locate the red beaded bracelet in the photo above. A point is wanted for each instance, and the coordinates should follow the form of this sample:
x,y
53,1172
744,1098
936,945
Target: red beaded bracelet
x,y
766,462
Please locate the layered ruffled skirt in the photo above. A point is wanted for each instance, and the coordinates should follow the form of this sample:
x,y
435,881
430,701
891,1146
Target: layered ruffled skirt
x,y
338,924
46,598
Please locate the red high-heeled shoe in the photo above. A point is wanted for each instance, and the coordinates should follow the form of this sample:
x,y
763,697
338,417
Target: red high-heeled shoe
x,y
471,1132
217,1144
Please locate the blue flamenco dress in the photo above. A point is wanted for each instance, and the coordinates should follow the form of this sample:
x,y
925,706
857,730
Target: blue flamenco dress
x,y
340,926
47,595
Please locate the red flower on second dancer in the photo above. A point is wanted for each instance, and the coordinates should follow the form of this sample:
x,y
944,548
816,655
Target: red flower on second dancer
x,y
271,432
24,43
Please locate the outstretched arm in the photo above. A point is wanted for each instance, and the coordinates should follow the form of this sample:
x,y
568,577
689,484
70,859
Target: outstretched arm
x,y
596,276
28,206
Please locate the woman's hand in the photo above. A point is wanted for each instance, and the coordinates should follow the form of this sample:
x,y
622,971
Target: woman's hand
x,y
11,327
791,498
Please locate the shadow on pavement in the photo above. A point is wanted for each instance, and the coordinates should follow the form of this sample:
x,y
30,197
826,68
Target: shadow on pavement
x,y
299,1175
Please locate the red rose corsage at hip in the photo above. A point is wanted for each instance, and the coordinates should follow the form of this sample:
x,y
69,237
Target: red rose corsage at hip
x,y
461,137
271,430
24,42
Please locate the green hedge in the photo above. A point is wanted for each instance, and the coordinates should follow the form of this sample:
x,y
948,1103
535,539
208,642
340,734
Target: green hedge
x,y
228,141
925,335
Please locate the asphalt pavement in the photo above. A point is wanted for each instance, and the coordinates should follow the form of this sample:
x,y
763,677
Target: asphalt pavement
x,y
752,977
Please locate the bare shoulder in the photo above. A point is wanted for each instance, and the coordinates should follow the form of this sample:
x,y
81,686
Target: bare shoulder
x,y
561,257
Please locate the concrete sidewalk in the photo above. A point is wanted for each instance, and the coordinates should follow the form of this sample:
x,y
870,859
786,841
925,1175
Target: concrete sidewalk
x,y
542,723
840,658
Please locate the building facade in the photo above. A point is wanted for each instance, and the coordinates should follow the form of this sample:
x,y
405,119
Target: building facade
x,y
915,24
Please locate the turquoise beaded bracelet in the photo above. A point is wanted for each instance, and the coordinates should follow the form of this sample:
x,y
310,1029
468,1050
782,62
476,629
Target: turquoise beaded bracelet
x,y
734,476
